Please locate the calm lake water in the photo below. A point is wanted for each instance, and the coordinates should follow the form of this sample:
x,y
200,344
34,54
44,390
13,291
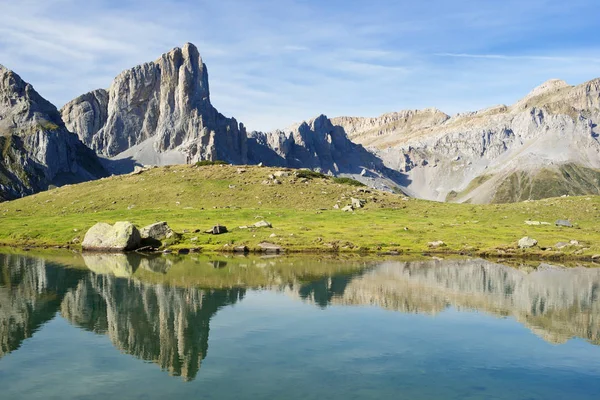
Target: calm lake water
x,y
124,327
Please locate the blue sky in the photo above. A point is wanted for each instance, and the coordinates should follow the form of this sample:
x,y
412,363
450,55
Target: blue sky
x,y
275,62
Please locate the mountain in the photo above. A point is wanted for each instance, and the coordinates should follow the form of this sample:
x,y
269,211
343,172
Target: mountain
x,y
320,145
158,113
544,145
36,148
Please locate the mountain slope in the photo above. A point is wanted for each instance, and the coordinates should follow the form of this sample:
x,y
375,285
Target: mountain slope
x,y
36,149
555,125
158,113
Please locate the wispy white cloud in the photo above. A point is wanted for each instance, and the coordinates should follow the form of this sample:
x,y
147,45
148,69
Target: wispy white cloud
x,y
273,62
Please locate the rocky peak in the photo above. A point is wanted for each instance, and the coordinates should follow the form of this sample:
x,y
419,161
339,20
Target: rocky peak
x,y
22,109
36,148
160,113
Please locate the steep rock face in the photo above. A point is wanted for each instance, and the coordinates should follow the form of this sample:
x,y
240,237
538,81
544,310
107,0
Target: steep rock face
x,y
159,113
36,149
86,114
320,145
469,156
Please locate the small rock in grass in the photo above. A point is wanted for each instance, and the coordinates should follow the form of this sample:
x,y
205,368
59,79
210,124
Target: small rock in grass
x,y
270,247
574,243
561,245
272,235
240,249
348,209
527,242
437,243
336,206
564,222
217,230
263,224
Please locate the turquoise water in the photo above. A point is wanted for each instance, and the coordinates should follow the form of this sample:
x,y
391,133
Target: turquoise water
x,y
462,329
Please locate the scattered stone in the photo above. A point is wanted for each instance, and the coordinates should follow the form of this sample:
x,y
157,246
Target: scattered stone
x,y
348,209
157,231
240,249
231,186
262,224
574,243
217,230
357,203
270,247
563,222
194,239
271,176
561,245
122,236
241,170
130,206
596,257
272,235
527,242
265,182
276,182
243,227
281,174
437,243
336,206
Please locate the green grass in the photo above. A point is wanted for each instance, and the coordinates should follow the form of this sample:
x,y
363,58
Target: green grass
x,y
205,163
567,179
302,214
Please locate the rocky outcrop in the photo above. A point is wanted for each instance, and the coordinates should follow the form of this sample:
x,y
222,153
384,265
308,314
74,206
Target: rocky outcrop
x,y
159,113
122,236
36,149
86,115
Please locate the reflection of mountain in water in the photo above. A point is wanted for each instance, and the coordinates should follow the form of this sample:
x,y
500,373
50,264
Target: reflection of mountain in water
x,y
169,325
158,323
162,324
30,294
555,303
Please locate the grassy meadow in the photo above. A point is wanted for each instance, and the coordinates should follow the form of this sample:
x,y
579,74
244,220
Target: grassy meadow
x,y
301,209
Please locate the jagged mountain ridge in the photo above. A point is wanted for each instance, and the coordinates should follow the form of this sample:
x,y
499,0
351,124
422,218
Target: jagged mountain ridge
x,y
499,154
544,145
158,113
36,148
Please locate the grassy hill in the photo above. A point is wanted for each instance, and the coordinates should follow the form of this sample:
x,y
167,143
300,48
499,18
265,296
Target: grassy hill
x,y
301,209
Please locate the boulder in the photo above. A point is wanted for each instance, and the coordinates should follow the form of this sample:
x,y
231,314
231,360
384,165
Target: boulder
x,y
357,203
564,222
270,247
240,249
263,224
527,242
122,236
156,231
217,230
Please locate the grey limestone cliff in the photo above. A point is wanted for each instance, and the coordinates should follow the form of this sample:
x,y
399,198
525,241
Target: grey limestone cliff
x,y
544,145
36,149
158,113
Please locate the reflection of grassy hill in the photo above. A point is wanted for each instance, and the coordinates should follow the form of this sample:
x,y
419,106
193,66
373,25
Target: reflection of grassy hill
x,y
301,210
